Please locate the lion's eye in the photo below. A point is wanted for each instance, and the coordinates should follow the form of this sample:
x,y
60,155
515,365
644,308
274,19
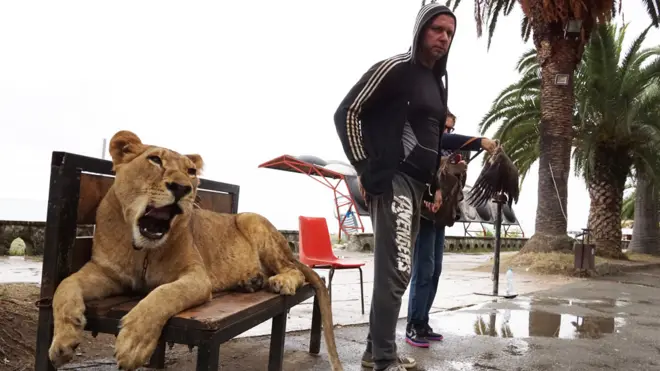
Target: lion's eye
x,y
192,171
155,159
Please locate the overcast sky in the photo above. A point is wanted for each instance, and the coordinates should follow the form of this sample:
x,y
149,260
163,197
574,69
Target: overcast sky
x,y
237,82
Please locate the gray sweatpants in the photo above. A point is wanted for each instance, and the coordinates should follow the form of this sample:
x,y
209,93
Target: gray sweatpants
x,y
395,219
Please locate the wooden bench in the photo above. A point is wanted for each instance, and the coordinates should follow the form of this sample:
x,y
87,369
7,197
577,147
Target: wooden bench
x,y
77,185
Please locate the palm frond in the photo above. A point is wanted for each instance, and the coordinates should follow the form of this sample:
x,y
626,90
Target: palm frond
x,y
617,108
628,206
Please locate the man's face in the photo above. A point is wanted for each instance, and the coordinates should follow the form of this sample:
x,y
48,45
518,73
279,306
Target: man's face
x,y
438,35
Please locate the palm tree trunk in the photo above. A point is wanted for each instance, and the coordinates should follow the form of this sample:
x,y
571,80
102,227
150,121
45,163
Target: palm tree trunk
x,y
606,187
556,56
646,233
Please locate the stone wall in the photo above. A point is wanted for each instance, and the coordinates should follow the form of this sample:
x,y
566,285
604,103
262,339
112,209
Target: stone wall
x,y
32,233
364,242
291,236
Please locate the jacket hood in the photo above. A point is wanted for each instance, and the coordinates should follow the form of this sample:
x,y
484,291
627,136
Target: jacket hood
x,y
426,13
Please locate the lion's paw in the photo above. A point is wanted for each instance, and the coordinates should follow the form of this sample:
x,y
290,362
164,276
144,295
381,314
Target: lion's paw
x,y
136,341
64,345
282,284
68,332
255,283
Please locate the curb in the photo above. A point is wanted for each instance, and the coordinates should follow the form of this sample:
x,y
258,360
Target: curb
x,y
632,268
616,268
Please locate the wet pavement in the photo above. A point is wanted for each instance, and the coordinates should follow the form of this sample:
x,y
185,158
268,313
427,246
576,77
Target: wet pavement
x,y
609,323
15,269
457,288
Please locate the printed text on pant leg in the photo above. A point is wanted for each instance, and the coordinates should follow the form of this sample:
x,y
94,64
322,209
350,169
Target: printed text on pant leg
x,y
402,208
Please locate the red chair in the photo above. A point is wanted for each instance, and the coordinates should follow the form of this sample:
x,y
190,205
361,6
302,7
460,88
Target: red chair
x,y
316,250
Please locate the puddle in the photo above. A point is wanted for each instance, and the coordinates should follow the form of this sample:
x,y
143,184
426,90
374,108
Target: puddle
x,y
16,269
586,303
456,366
469,366
521,323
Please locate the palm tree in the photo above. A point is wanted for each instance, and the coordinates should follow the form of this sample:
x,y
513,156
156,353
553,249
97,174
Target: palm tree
x,y
614,127
560,29
620,126
643,206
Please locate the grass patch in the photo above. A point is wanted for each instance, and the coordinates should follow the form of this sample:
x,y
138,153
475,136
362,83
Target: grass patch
x,y
558,263
552,263
645,258
475,251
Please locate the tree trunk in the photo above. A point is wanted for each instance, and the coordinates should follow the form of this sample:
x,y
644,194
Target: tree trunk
x,y
556,56
646,233
606,186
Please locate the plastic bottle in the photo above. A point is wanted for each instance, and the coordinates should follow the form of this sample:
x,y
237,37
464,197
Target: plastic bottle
x,y
509,282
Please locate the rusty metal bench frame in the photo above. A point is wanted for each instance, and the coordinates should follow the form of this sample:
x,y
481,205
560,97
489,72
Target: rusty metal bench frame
x,y
65,252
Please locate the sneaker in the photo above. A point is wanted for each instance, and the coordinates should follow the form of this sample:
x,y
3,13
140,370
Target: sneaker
x,y
394,367
401,361
416,337
429,334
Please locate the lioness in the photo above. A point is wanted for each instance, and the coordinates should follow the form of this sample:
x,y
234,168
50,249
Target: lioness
x,y
149,237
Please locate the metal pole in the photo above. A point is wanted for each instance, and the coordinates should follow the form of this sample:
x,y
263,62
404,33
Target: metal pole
x,y
105,143
499,200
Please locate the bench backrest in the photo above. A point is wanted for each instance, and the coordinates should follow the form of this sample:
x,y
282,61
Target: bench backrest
x,y
77,186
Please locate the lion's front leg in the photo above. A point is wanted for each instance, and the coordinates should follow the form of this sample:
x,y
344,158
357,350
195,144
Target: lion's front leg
x,y
89,283
142,326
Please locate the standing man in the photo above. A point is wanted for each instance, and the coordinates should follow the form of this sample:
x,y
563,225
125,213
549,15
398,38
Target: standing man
x,y
429,248
390,125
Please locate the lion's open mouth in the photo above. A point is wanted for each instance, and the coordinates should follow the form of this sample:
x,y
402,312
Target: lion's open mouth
x,y
155,222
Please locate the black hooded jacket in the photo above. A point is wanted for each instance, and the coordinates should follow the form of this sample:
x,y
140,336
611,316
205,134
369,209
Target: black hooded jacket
x,y
392,119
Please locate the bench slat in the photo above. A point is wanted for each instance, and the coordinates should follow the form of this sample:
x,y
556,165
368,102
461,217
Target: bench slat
x,y
229,308
81,253
100,308
216,201
224,309
93,188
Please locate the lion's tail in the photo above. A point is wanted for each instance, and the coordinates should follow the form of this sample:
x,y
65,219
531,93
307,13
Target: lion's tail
x,y
326,313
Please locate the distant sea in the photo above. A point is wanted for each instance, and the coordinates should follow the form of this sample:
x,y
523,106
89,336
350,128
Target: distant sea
x,y
23,209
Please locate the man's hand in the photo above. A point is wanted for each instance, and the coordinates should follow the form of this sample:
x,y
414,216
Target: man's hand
x,y
437,202
488,145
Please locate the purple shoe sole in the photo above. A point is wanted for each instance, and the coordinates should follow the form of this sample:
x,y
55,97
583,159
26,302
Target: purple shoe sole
x,y
435,338
416,344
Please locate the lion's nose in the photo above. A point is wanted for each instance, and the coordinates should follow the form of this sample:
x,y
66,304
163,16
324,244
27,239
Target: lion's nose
x,y
178,190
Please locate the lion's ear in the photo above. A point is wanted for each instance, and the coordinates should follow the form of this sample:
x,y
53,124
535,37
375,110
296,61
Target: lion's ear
x,y
124,146
198,161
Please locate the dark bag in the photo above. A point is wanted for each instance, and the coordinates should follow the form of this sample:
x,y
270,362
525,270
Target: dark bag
x,y
451,177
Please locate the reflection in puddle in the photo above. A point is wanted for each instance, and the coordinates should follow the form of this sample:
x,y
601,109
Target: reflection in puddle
x,y
586,303
464,366
515,323
16,269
